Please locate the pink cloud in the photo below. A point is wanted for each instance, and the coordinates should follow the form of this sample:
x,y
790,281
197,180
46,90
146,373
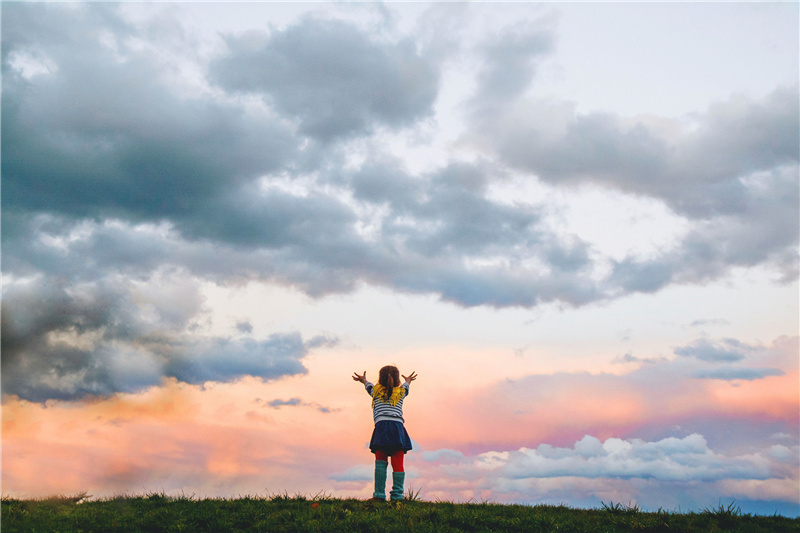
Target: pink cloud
x,y
499,441
217,441
559,409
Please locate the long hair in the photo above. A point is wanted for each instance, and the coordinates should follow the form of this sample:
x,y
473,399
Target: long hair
x,y
389,377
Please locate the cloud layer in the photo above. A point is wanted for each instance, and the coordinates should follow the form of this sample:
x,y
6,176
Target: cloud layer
x,y
669,473
107,134
146,158
671,459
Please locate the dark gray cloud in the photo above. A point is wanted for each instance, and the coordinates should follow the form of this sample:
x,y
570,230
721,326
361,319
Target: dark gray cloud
x,y
226,359
100,136
39,321
66,341
434,239
331,77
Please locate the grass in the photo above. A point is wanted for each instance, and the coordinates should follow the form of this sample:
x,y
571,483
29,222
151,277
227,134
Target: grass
x,y
297,514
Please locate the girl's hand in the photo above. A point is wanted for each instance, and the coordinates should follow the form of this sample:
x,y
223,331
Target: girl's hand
x,y
361,378
411,377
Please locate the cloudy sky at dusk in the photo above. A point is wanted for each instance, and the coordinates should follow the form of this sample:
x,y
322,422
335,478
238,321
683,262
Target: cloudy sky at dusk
x,y
578,223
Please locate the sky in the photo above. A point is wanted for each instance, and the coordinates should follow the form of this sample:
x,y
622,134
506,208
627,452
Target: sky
x,y
577,222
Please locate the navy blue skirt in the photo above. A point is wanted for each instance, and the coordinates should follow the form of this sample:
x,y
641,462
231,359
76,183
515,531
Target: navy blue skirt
x,y
390,438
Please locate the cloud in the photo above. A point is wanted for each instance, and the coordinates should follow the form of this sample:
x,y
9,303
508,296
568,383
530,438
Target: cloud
x,y
701,173
648,402
330,77
66,341
710,322
439,245
126,145
731,373
668,473
279,403
355,473
761,233
671,459
207,439
684,459
144,159
138,175
110,167
297,402
225,359
443,455
113,173
733,175
630,358
509,60
109,137
87,250
442,233
725,350
730,357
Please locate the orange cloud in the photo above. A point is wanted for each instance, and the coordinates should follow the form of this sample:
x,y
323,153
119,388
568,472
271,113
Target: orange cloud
x,y
219,440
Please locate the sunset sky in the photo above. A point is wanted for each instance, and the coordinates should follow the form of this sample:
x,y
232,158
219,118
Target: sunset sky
x,y
577,222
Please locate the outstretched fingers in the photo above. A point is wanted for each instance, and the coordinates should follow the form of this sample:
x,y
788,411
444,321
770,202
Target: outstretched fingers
x,y
411,377
360,377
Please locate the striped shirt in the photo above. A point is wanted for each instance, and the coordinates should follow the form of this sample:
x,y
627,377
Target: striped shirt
x,y
384,410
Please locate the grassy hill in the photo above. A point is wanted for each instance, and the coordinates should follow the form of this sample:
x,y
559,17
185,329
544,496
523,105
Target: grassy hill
x,y
157,513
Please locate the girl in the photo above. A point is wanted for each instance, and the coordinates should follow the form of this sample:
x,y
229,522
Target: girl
x,y
390,441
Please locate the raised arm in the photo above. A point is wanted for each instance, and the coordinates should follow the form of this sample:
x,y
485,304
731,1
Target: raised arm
x,y
362,378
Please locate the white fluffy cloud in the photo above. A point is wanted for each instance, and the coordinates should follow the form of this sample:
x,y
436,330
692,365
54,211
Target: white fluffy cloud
x,y
651,473
671,459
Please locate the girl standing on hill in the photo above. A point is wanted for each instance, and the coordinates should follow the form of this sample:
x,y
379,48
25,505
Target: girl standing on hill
x,y
390,440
